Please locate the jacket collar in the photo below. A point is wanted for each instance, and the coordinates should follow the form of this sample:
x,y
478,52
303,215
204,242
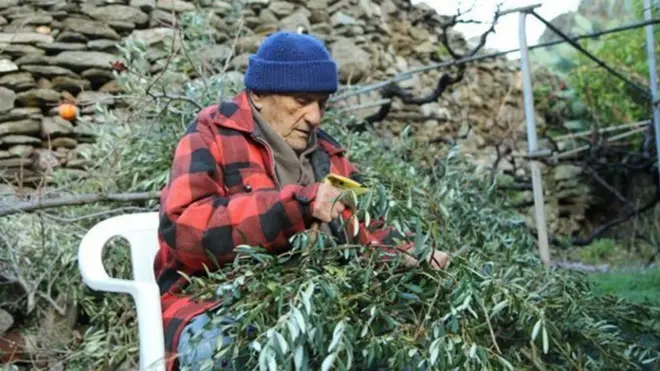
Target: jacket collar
x,y
237,114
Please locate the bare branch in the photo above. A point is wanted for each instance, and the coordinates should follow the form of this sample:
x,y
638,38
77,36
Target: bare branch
x,y
30,206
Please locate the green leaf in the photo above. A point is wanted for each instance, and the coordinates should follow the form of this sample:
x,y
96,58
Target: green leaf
x,y
328,361
536,329
300,320
336,336
306,297
298,357
435,351
498,307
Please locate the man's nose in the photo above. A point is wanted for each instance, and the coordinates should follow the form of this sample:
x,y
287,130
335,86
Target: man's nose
x,y
314,114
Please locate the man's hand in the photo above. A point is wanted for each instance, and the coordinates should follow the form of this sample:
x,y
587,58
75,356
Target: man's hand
x,y
327,206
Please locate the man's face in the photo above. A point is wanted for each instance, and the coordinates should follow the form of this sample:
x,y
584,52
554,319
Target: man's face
x,y
292,116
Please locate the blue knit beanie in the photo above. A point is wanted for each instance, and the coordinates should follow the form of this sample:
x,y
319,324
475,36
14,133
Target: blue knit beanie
x,y
288,62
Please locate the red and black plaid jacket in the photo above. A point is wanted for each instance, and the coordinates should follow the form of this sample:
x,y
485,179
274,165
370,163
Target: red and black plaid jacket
x,y
221,193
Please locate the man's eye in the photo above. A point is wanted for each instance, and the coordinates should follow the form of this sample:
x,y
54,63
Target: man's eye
x,y
302,101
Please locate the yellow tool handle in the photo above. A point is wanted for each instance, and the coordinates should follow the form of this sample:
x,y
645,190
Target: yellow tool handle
x,y
343,183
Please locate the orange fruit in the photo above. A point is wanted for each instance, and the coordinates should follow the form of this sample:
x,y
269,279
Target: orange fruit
x,y
68,111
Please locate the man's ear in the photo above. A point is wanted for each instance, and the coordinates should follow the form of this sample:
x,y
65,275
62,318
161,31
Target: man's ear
x,y
257,100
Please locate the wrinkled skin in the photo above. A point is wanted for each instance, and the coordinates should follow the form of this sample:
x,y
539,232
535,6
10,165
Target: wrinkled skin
x,y
292,116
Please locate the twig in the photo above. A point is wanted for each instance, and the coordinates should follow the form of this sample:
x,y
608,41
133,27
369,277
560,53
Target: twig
x,y
61,311
177,97
29,290
607,186
76,200
233,46
603,228
490,328
93,215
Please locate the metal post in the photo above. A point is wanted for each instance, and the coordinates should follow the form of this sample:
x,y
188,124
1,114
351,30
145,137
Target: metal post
x,y
537,184
650,51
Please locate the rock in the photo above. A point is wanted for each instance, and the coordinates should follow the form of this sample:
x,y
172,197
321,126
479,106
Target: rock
x,y
176,5
102,45
248,44
16,50
7,66
6,321
20,114
319,16
4,4
121,26
38,98
81,60
321,29
94,97
295,20
18,81
317,5
98,76
217,53
120,13
221,7
281,8
20,150
93,29
341,19
24,38
70,84
44,83
55,126
266,18
48,71
18,139
144,5
71,37
354,63
369,9
111,87
240,62
566,172
153,36
218,23
20,127
62,46
33,59
7,99
64,142
161,18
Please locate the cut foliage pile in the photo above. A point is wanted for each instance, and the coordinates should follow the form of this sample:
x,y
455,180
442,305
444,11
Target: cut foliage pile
x,y
495,307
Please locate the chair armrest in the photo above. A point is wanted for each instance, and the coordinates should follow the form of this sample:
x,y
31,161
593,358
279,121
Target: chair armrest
x,y
136,228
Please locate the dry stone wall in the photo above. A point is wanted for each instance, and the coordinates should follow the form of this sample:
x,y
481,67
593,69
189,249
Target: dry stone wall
x,y
54,51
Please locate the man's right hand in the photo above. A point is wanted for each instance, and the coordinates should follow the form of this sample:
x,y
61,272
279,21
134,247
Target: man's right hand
x,y
327,206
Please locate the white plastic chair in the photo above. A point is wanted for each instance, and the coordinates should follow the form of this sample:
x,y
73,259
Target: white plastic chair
x,y
140,230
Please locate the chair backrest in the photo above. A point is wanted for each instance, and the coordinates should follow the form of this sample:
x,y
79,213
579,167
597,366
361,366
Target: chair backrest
x,y
140,230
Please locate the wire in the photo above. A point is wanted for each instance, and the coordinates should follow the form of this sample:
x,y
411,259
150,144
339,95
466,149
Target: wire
x,y
408,74
643,90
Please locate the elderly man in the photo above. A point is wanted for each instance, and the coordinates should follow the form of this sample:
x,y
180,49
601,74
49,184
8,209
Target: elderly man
x,y
249,171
